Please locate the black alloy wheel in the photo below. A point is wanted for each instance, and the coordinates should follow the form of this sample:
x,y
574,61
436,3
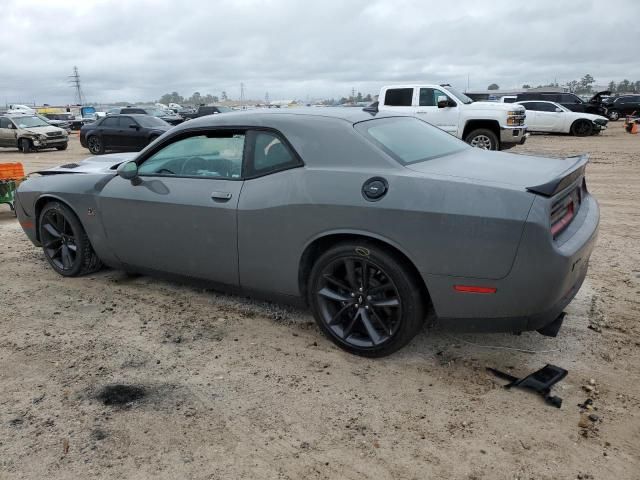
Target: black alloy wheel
x,y
95,145
64,241
582,128
365,301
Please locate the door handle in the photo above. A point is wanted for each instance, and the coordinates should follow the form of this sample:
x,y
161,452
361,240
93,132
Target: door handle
x,y
221,196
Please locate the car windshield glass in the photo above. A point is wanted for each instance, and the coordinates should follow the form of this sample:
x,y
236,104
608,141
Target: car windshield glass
x,y
27,122
459,95
155,111
224,109
410,140
151,121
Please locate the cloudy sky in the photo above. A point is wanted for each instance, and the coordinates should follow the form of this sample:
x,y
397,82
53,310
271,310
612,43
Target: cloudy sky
x,y
137,50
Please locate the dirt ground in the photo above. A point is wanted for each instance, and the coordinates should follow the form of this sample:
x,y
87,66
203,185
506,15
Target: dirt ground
x,y
231,388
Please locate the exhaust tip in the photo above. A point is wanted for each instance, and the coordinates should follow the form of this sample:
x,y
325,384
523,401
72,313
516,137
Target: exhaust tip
x,y
552,329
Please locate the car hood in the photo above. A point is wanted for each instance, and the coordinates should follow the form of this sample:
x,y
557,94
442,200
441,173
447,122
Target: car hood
x,y
495,106
43,130
597,98
497,168
98,164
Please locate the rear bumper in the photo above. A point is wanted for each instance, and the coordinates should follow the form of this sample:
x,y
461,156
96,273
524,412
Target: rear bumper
x,y
545,277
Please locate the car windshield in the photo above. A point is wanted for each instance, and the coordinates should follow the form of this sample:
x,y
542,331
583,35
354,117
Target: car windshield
x,y
224,109
410,140
30,122
459,95
156,111
151,122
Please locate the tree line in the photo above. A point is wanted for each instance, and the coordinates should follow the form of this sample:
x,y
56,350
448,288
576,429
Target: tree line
x,y
584,86
196,99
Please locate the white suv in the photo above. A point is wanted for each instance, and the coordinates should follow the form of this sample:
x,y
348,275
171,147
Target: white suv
x,y
488,125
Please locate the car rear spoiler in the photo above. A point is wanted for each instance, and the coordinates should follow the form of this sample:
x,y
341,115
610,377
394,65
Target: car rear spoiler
x,y
566,178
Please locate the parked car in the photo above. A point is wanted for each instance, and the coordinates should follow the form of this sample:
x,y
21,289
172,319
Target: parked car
x,y
28,132
63,124
128,133
569,100
206,110
487,125
376,221
551,117
169,117
622,105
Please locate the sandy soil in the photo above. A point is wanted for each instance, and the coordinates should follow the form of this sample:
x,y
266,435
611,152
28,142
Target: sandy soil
x,y
232,388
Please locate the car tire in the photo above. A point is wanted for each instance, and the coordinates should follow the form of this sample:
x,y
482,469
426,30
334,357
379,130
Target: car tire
x,y
483,138
614,115
25,145
582,128
95,145
62,147
373,317
65,243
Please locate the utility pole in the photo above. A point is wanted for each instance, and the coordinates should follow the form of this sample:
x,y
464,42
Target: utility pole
x,y
266,98
75,83
241,94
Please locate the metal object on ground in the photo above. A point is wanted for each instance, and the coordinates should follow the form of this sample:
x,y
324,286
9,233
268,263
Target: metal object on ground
x,y
540,381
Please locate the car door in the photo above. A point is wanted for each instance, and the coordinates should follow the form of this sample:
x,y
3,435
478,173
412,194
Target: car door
x,y
532,116
109,131
179,215
445,118
7,133
547,118
132,135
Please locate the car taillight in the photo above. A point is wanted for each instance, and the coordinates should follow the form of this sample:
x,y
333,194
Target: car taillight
x,y
564,211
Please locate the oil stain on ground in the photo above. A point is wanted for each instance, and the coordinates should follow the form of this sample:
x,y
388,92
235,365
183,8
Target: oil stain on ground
x,y
119,394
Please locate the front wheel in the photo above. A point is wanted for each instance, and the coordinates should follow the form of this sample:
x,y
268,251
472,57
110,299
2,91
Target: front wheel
x,y
582,128
365,299
65,244
483,138
62,147
613,115
25,145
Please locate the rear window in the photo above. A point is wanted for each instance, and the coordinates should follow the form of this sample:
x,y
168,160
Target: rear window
x,y
409,140
398,97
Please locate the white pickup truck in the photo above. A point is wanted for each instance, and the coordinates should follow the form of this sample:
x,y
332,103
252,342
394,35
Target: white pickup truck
x,y
488,125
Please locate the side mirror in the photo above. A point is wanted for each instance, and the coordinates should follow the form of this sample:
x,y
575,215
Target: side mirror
x,y
128,170
558,109
442,101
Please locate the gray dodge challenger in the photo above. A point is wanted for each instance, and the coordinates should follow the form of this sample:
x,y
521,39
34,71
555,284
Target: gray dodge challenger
x,y
376,221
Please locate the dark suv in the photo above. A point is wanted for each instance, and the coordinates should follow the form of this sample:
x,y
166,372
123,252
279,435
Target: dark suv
x,y
623,105
569,100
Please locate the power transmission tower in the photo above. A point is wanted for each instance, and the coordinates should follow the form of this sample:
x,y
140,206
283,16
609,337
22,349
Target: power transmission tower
x,y
75,83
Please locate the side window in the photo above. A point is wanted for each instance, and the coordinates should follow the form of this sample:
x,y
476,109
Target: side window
x,y
269,153
5,122
208,156
398,97
427,98
111,122
531,106
124,122
546,107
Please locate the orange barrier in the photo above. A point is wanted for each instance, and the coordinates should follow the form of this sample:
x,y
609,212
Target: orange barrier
x,y
11,171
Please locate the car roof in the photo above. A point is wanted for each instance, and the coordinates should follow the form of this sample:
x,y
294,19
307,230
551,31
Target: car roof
x,y
259,116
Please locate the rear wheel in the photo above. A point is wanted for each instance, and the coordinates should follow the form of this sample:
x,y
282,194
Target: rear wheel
x,y
482,138
95,145
65,244
613,115
366,300
582,128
